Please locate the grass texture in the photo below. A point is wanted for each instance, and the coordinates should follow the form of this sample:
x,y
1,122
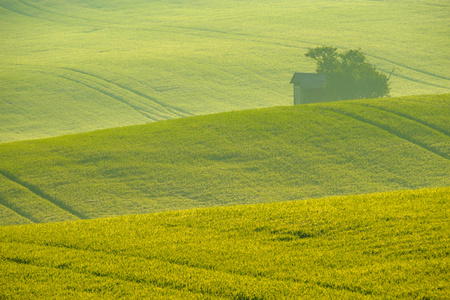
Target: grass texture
x,y
245,157
75,66
392,245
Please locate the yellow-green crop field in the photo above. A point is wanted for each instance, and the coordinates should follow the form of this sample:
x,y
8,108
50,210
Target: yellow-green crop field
x,y
245,157
392,245
73,66
149,149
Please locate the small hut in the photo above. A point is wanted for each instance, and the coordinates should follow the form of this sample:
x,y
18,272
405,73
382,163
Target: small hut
x,y
308,88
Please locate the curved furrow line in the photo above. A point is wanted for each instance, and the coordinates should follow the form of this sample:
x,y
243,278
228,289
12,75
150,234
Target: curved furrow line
x,y
38,8
38,192
107,88
414,80
410,68
426,124
30,262
154,258
17,210
158,282
21,13
284,44
7,213
117,93
178,112
106,92
390,130
243,36
174,285
150,259
389,61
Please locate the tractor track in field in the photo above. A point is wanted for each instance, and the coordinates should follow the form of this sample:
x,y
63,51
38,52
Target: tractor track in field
x,y
261,39
414,80
158,283
29,15
390,130
243,36
17,210
410,68
41,194
163,283
64,268
21,12
177,112
110,94
38,8
406,116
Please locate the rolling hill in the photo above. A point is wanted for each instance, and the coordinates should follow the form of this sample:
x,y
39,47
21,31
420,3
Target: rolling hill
x,y
75,66
244,157
390,245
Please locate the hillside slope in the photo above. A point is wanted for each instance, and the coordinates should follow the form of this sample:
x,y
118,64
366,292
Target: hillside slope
x,y
381,246
75,66
254,156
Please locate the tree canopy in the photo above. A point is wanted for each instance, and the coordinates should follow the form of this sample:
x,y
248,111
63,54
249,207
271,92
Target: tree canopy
x,y
349,74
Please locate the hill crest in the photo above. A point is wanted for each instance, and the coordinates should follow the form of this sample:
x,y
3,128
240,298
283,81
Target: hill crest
x,y
242,157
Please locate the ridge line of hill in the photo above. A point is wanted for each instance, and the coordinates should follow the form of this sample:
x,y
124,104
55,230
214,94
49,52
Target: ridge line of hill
x,y
38,192
240,157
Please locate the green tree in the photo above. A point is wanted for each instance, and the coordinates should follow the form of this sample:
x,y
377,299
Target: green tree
x,y
349,74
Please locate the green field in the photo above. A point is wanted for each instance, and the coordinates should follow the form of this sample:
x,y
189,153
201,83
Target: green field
x,y
245,157
73,66
150,150
391,245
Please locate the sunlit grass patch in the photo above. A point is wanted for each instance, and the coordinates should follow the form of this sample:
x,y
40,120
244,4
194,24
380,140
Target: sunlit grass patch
x,y
384,246
252,156
170,60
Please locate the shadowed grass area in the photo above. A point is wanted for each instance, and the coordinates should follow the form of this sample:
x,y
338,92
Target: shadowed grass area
x,y
380,246
75,66
253,156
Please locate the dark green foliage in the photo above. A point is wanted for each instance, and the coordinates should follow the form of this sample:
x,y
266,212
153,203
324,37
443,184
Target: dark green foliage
x,y
349,74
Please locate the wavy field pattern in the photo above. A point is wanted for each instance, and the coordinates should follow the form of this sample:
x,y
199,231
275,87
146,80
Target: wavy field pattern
x,y
75,66
252,156
380,246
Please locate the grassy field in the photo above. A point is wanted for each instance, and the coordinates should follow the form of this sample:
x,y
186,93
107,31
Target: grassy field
x,y
392,245
73,66
245,157
220,190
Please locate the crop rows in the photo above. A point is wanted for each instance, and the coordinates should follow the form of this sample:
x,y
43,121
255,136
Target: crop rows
x,y
383,246
253,156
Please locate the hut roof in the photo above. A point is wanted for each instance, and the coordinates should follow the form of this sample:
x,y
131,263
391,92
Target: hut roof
x,y
309,80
